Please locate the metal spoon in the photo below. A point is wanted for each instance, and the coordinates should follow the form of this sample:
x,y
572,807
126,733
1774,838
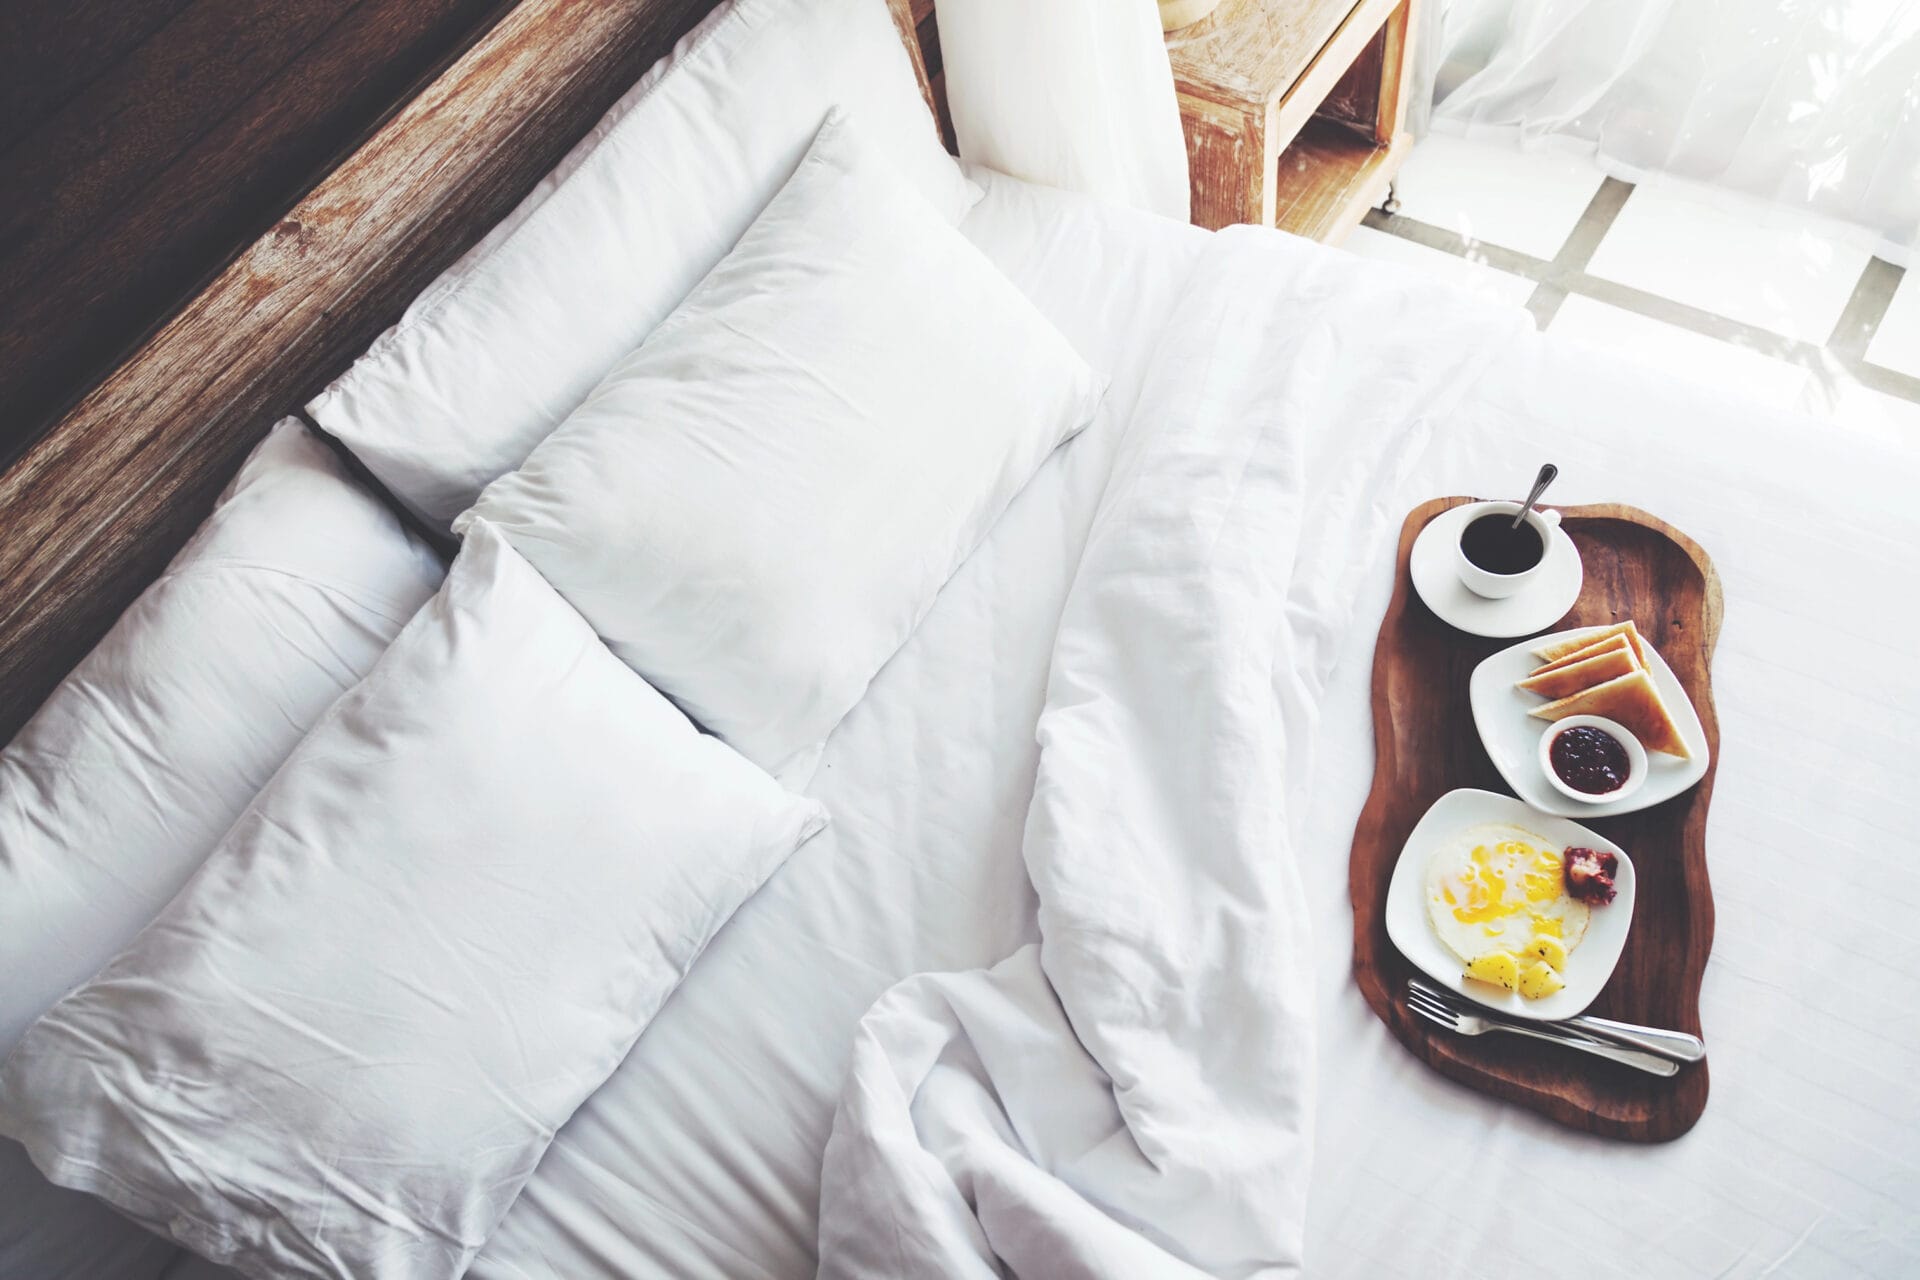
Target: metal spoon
x,y
1540,482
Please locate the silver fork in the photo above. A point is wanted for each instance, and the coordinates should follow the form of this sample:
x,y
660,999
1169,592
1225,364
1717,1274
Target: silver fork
x,y
1443,1014
1677,1045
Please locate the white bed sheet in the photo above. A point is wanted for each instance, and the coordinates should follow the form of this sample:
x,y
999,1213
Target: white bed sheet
x,y
1807,1159
701,1156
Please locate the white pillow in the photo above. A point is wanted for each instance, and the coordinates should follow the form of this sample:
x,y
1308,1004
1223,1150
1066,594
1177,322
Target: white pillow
x,y
1073,94
112,795
757,506
513,337
343,1047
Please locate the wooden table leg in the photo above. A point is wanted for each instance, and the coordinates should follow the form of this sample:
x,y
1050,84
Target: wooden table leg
x,y
1396,73
1227,163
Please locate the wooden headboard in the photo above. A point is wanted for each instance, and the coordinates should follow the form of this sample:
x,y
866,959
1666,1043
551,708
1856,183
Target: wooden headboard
x,y
921,34
92,511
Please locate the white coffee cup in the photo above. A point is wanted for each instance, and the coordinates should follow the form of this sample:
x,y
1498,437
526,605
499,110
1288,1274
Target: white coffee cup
x,y
1495,586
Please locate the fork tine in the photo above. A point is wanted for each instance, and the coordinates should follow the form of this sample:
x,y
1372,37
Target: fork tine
x,y
1433,1009
1415,987
1431,1015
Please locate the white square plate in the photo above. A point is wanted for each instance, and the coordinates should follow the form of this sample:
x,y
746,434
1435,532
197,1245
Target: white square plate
x,y
1512,736
1588,966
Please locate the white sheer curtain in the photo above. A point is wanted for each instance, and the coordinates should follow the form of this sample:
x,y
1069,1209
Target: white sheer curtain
x,y
1811,103
1075,94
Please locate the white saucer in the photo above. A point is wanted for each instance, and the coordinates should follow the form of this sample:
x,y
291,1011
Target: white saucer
x,y
1534,607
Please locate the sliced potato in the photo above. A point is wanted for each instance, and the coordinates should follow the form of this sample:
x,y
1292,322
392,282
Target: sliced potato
x,y
1500,968
1540,981
1549,949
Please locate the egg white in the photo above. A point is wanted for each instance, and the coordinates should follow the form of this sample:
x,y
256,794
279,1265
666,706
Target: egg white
x,y
1500,898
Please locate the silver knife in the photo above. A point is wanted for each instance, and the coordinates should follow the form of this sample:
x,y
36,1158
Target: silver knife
x,y
1470,1018
1677,1045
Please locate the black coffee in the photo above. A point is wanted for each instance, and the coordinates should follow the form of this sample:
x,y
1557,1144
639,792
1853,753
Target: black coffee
x,y
1492,543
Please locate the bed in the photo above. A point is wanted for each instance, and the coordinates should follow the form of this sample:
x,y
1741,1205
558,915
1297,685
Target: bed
x,y
1797,1165
703,1153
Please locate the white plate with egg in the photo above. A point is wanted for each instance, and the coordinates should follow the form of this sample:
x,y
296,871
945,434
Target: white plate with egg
x,y
1511,735
1506,916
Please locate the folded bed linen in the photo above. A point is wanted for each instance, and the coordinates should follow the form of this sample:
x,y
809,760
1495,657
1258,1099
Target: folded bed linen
x,y
496,352
1133,1094
113,794
516,849
701,1155
760,501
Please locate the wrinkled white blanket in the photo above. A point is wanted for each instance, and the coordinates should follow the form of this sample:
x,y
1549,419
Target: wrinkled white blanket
x,y
1132,1096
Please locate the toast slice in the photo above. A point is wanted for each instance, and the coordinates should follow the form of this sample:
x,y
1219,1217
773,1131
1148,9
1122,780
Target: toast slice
x,y
1567,678
1634,702
1557,649
1614,643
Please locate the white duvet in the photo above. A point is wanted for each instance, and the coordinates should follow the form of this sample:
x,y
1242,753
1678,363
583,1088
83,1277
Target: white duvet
x,y
1133,1094
703,1154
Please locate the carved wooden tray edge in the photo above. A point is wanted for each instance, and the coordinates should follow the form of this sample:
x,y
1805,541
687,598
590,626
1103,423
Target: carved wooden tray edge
x,y
1373,826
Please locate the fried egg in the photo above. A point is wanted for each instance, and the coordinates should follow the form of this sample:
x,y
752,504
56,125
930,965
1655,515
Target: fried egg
x,y
1497,887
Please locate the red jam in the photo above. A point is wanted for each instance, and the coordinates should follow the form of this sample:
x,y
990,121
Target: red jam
x,y
1590,760
1590,875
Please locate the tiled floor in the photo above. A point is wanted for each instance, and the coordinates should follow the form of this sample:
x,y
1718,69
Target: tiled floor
x,y
1699,283
1680,351
1528,202
1897,344
1469,274
1665,243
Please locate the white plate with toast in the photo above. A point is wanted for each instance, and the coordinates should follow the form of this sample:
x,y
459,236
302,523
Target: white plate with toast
x,y
1607,673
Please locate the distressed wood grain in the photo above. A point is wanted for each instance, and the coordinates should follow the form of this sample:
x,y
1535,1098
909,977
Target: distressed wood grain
x,y
95,507
1252,51
1230,163
132,194
1250,77
1284,67
1356,99
1329,176
51,52
920,31
1396,45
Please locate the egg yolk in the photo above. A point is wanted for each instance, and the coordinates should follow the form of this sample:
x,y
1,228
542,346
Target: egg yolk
x,y
1484,879
1486,885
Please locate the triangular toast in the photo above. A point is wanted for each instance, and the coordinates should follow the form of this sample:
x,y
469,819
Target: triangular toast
x,y
1571,677
1553,651
1611,644
1634,702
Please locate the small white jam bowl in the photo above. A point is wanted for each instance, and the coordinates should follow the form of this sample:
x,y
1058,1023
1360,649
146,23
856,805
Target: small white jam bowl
x,y
1636,758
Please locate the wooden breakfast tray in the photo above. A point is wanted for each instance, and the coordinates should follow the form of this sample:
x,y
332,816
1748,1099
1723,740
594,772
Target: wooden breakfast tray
x,y
1636,567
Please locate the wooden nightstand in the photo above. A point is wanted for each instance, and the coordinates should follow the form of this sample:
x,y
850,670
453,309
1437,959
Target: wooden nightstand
x,y
1294,110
